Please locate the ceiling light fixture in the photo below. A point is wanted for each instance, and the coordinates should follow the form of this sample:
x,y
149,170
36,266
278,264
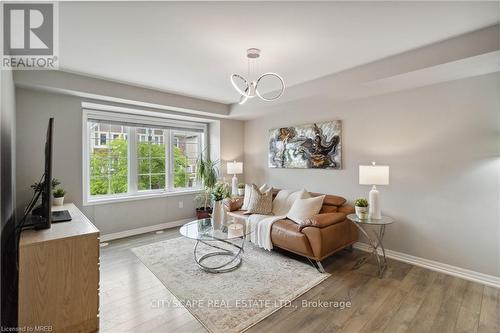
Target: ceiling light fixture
x,y
249,88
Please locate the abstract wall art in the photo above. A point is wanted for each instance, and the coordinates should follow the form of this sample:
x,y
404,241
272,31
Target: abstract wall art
x,y
313,146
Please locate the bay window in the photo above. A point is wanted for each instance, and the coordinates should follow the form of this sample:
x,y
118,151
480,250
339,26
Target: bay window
x,y
130,156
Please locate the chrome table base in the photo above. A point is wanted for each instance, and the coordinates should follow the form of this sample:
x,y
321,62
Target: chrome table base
x,y
232,262
375,243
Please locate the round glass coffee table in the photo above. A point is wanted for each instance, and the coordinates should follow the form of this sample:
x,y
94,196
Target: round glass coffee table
x,y
229,257
375,241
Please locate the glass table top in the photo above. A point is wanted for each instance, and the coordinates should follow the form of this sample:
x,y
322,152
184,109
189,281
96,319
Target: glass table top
x,y
384,220
203,230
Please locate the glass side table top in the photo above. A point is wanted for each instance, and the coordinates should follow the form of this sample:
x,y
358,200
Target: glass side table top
x,y
383,221
203,230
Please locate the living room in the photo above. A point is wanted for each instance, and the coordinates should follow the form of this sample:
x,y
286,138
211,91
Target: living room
x,y
251,166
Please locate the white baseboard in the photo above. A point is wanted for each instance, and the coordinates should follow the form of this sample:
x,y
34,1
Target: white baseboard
x,y
463,273
143,230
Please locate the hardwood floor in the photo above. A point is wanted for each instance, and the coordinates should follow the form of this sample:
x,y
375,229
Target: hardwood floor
x,y
406,299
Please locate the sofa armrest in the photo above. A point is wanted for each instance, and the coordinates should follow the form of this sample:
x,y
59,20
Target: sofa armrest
x,y
232,204
323,220
346,209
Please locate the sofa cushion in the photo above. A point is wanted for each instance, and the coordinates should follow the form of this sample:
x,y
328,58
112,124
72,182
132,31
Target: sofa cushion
x,y
328,209
285,234
330,200
323,220
347,209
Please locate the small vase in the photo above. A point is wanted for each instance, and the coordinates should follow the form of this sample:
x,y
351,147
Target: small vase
x,y
361,212
217,215
241,191
58,201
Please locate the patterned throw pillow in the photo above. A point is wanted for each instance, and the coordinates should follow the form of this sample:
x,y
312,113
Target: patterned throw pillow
x,y
260,203
248,194
264,187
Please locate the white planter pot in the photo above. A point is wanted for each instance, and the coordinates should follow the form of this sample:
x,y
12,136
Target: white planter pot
x,y
241,191
361,212
217,215
58,201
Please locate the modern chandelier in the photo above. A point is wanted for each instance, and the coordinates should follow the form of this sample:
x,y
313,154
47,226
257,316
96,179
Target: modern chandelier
x,y
249,88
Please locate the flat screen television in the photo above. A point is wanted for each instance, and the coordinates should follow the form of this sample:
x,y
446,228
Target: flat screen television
x,y
41,218
42,214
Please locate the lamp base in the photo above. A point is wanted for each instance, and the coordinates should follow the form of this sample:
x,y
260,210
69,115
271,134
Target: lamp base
x,y
234,187
374,204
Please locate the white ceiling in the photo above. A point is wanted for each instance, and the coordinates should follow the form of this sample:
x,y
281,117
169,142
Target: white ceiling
x,y
192,48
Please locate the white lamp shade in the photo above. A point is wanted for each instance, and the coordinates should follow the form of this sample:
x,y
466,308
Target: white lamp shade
x,y
374,175
234,168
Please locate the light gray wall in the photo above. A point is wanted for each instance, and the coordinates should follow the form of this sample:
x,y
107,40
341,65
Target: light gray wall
x,y
231,137
33,111
226,144
7,148
112,91
442,144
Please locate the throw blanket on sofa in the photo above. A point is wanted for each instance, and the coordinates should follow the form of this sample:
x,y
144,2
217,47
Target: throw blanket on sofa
x,y
261,224
261,229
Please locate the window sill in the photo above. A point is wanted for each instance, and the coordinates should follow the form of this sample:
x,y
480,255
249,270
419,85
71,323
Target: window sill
x,y
125,198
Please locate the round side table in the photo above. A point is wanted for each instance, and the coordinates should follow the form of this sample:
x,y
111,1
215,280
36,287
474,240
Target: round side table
x,y
375,241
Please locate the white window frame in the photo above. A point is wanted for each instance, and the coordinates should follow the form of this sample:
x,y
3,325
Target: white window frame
x,y
133,192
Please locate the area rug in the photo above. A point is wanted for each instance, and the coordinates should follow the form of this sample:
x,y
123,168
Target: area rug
x,y
234,301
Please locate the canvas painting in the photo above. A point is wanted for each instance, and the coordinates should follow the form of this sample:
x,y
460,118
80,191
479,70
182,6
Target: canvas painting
x,y
316,146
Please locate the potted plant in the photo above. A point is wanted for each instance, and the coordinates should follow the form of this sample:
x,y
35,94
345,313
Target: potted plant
x,y
361,207
203,204
58,196
219,192
241,189
38,186
206,173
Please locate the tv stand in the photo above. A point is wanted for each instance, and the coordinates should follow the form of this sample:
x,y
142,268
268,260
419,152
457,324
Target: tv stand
x,y
58,215
59,275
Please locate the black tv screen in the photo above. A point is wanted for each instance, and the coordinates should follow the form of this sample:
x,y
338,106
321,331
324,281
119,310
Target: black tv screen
x,y
42,214
46,205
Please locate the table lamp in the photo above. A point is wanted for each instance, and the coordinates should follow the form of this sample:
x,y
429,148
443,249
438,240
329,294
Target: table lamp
x,y
374,175
234,168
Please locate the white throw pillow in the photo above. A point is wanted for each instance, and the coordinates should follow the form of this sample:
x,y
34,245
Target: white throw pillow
x,y
285,199
303,209
246,198
248,194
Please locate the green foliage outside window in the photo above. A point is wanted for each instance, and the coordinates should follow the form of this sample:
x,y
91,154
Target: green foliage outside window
x,y
109,170
150,166
181,177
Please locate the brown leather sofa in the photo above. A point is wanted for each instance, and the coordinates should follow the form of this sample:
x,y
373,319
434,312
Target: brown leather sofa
x,y
322,235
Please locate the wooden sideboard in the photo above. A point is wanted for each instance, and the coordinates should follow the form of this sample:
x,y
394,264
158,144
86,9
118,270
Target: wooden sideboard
x,y
59,275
